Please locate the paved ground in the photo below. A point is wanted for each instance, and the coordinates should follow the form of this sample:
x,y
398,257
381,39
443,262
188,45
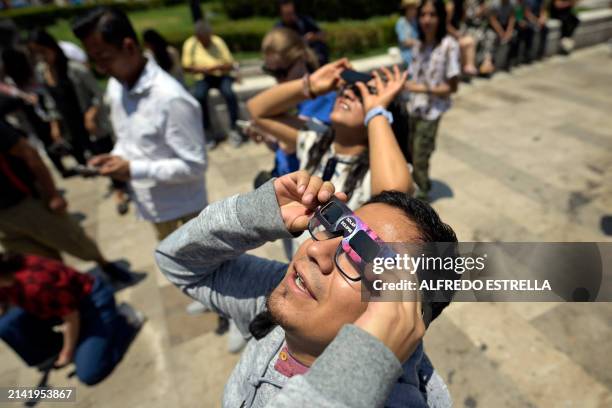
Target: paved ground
x,y
522,157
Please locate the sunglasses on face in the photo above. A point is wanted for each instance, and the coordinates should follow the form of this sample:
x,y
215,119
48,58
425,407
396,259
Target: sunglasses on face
x,y
359,245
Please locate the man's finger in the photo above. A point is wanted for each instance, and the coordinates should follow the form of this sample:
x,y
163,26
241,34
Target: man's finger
x,y
301,178
314,185
326,192
99,160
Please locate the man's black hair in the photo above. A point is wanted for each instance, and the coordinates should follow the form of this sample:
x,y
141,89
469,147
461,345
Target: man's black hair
x,y
113,24
441,13
431,230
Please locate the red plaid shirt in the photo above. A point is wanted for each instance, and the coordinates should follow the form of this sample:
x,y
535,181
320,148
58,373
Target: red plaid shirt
x,y
47,288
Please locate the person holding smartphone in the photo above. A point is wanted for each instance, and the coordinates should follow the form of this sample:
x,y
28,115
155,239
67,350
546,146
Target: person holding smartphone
x,y
359,152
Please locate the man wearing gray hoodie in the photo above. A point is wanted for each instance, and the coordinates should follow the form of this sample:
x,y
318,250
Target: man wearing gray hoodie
x,y
315,343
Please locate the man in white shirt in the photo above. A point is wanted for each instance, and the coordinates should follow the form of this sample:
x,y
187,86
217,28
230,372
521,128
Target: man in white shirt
x,y
160,145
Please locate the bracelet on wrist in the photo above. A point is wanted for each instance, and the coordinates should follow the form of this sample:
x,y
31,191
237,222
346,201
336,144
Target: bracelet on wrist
x,y
307,88
378,111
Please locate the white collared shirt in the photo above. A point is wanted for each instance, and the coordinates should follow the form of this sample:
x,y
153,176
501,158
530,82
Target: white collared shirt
x,y
158,125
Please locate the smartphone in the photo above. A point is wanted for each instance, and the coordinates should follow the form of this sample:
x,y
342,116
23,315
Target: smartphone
x,y
86,171
350,77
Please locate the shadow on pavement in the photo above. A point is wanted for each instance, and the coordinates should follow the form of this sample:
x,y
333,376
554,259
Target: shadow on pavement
x,y
137,277
439,189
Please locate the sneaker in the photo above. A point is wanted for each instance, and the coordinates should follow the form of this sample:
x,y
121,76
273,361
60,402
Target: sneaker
x,y
196,307
222,326
235,339
134,317
123,207
116,273
235,138
567,45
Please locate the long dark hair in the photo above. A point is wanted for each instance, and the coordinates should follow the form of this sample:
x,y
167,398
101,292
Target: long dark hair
x,y
44,39
361,166
441,13
159,46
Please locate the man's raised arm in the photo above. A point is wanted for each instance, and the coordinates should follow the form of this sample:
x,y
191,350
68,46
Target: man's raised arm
x,y
205,258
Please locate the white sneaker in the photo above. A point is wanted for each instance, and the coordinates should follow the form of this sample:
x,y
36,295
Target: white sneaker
x,y
196,307
235,339
567,44
134,317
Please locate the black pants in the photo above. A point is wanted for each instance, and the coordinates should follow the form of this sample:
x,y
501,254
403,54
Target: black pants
x,y
569,21
525,39
224,85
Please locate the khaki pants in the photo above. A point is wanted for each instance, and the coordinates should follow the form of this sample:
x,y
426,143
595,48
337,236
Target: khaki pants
x,y
165,228
31,228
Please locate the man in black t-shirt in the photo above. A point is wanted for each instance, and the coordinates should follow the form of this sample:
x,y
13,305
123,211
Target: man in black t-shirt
x,y
305,27
33,218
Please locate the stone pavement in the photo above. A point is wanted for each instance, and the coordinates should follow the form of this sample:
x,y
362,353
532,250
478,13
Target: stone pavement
x,y
521,157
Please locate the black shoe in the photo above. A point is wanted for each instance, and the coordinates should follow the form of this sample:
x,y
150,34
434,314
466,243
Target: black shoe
x,y
116,273
123,207
222,326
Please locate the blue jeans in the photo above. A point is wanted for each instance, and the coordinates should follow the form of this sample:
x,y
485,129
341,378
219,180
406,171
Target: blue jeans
x,y
104,335
224,85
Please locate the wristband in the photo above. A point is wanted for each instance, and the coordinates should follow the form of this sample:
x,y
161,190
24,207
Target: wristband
x,y
306,90
375,111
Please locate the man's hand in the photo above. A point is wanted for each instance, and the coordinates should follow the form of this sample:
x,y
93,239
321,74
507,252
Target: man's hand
x,y
385,91
57,204
298,194
327,78
398,325
112,166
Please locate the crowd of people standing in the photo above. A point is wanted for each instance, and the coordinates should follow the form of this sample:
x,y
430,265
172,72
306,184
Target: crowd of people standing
x,y
364,138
